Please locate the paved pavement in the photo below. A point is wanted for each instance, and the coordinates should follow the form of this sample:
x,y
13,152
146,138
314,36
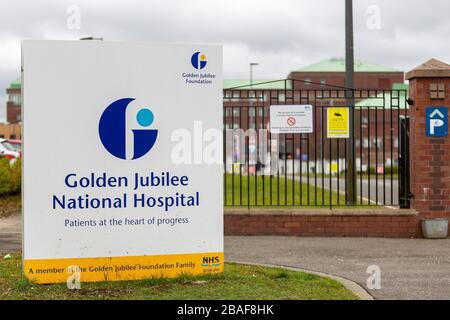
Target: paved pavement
x,y
410,268
11,233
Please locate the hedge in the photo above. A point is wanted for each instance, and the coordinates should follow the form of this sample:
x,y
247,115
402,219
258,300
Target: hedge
x,y
10,176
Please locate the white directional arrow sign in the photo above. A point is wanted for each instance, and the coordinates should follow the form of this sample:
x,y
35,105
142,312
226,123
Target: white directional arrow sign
x,y
437,121
436,112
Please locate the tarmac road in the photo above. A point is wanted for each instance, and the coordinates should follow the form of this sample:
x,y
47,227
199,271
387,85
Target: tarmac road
x,y
410,268
11,233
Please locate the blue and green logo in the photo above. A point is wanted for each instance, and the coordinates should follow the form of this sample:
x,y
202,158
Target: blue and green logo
x,y
198,60
112,130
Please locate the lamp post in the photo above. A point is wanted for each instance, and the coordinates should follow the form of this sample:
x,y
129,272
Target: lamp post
x,y
349,84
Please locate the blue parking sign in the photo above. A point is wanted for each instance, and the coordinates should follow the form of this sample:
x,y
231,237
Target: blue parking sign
x,y
437,121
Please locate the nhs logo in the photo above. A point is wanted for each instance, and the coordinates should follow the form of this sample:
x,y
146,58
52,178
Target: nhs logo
x,y
437,121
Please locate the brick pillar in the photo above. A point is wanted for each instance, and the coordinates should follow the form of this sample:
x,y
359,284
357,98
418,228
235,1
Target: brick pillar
x,y
429,85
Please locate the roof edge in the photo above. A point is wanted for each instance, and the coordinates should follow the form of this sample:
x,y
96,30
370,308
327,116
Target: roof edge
x,y
432,68
427,74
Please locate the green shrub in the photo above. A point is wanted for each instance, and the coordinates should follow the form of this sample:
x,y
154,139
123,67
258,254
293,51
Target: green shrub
x,y
5,176
10,177
16,176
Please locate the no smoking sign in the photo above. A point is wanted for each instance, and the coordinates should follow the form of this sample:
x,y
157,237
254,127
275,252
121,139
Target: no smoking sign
x,y
291,121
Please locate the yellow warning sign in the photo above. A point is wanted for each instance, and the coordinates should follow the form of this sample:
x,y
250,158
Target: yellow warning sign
x,y
338,123
334,168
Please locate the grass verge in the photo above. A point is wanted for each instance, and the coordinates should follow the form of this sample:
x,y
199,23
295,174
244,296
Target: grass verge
x,y
278,192
238,282
10,204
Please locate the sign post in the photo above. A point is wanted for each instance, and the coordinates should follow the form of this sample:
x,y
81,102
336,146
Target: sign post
x,y
436,121
122,160
352,194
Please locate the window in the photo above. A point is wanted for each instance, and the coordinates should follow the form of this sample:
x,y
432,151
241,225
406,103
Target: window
x,y
365,143
308,82
15,98
437,91
395,142
251,112
322,83
378,142
7,146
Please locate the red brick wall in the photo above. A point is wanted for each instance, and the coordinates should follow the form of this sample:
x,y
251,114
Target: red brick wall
x,y
430,157
13,111
392,224
363,80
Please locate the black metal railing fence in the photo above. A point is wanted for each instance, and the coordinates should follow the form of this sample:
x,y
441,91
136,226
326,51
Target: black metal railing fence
x,y
263,169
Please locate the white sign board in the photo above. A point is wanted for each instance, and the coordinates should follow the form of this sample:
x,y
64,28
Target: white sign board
x,y
122,160
291,119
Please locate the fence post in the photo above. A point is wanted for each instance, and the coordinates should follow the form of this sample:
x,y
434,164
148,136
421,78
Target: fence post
x,y
429,86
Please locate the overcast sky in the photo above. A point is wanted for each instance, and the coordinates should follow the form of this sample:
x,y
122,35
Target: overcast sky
x,y
281,35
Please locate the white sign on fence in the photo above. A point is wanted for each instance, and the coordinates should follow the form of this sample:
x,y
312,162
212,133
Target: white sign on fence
x,y
101,188
291,119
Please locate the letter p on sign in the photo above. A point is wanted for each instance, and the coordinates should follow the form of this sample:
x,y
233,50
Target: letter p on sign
x,y
437,122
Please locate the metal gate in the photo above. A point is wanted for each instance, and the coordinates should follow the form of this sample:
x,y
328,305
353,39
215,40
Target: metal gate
x,y
404,188
300,170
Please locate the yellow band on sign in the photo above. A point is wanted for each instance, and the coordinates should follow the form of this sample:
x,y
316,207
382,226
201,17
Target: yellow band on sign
x,y
123,268
338,123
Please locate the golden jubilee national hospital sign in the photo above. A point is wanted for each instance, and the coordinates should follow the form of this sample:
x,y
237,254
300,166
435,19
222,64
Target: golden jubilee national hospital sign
x,y
108,199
